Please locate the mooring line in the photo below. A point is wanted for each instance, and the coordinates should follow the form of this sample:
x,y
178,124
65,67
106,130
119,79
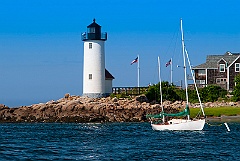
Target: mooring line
x,y
228,129
214,125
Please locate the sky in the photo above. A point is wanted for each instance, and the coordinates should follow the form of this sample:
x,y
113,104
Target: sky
x,y
41,51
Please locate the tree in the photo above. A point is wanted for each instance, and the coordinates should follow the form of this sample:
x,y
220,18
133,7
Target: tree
x,y
168,92
236,90
211,93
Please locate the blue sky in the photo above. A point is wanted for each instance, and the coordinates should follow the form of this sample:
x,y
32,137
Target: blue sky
x,y
41,52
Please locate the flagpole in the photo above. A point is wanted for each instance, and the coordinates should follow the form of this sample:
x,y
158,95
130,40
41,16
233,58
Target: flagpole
x,y
138,71
171,71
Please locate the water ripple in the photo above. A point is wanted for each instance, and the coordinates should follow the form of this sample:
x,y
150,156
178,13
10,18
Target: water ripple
x,y
115,141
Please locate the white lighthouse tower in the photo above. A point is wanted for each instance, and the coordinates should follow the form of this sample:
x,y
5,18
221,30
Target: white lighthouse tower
x,y
94,73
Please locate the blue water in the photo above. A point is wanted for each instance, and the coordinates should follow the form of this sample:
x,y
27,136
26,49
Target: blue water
x,y
116,141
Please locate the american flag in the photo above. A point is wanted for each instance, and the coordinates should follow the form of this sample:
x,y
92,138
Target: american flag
x,y
134,61
168,63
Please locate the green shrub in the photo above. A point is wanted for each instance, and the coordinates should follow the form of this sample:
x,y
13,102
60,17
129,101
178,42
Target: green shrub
x,y
210,93
168,92
236,90
121,95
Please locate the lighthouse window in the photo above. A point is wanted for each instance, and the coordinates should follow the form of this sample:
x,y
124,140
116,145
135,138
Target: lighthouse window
x,y
90,45
90,76
92,30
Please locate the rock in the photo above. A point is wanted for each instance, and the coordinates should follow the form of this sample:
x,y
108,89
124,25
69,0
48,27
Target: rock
x,y
114,99
232,103
2,107
141,98
96,109
67,95
119,108
82,109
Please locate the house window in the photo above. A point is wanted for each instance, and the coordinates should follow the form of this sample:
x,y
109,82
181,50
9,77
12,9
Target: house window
x,y
222,68
201,72
221,80
200,81
90,45
90,76
237,67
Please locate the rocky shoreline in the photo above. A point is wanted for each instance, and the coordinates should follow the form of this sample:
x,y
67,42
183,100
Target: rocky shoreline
x,y
84,110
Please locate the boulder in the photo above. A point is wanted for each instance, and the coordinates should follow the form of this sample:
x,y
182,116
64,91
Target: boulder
x,y
67,95
114,99
141,98
2,107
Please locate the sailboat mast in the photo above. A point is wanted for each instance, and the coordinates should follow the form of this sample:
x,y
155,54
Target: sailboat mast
x,y
160,85
171,71
184,63
185,68
138,69
194,81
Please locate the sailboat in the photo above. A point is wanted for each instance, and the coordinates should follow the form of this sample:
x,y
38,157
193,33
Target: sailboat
x,y
175,123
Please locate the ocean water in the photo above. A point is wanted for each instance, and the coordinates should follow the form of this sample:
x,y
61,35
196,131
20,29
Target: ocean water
x,y
116,141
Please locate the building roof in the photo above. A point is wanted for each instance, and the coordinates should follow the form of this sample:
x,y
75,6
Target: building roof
x,y
94,24
108,75
212,60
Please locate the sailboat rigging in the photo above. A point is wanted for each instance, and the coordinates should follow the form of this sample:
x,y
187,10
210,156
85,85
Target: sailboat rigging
x,y
179,124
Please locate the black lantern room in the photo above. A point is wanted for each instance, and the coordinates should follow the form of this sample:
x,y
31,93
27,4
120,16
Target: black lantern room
x,y
94,33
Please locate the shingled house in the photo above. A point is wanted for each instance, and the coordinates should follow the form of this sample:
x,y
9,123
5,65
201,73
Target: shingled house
x,y
219,70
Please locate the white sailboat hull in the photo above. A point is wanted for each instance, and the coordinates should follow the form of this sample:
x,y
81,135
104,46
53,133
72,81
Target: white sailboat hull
x,y
180,124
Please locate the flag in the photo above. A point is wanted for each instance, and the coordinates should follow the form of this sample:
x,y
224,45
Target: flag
x,y
134,61
168,63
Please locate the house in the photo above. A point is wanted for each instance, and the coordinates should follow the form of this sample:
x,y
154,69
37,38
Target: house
x,y
218,70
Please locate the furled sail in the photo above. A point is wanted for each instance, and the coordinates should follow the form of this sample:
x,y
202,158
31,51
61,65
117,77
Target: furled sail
x,y
185,112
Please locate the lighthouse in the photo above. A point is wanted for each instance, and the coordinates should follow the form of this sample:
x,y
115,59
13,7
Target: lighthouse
x,y
97,81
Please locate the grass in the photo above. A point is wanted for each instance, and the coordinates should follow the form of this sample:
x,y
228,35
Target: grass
x,y
217,111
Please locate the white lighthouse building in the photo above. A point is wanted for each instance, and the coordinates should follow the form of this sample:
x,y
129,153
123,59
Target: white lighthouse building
x,y
97,81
